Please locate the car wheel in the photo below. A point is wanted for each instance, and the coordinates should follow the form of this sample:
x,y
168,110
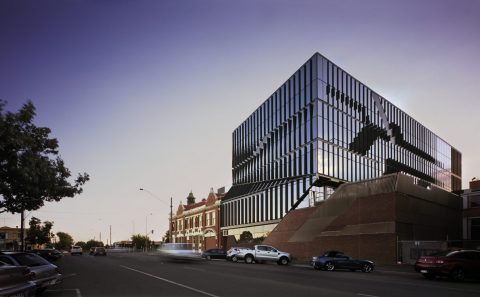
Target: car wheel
x,y
329,266
457,274
209,258
234,259
283,261
367,268
428,275
249,259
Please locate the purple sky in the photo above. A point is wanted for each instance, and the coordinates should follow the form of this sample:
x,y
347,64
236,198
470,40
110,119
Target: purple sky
x,y
147,93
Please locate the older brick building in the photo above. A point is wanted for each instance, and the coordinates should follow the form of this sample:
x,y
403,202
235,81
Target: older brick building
x,y
198,223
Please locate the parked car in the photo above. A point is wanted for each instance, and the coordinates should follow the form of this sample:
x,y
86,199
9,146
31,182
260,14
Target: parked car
x,y
262,253
333,260
16,281
48,254
99,251
76,250
232,253
44,274
214,254
457,265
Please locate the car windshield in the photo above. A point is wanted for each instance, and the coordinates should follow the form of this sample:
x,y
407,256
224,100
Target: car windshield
x,y
29,260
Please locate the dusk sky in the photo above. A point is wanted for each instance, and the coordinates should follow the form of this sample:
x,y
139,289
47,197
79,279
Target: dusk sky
x,y
147,93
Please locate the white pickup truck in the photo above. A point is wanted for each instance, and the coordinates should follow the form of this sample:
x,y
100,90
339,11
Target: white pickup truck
x,y
264,253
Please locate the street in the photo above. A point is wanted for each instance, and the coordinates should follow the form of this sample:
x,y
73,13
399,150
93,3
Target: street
x,y
148,275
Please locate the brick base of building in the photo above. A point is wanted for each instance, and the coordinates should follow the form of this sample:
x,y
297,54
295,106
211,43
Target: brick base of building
x,y
367,220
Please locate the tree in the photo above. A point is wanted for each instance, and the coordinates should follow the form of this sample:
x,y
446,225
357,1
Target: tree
x,y
140,241
92,243
166,237
246,237
65,241
38,234
81,244
31,172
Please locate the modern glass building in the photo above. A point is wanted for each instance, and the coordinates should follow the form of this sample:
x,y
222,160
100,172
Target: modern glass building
x,y
320,128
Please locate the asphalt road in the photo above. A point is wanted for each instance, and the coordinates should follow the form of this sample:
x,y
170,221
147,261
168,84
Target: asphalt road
x,y
148,275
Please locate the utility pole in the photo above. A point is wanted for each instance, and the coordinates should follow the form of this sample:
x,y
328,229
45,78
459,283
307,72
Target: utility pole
x,y
22,227
170,225
146,233
110,235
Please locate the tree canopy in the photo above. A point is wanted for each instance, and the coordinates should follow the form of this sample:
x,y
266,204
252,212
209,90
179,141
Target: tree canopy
x,y
166,237
92,243
38,233
65,241
81,244
140,241
246,237
31,172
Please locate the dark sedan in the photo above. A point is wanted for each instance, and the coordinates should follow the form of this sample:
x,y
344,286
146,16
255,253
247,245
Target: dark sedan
x,y
214,254
44,274
457,265
333,260
48,254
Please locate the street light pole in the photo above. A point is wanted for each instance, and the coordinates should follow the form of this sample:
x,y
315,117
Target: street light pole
x,y
170,225
171,206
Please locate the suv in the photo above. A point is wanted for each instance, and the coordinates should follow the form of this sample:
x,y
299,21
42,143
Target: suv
x,y
264,253
98,251
233,252
76,250
457,264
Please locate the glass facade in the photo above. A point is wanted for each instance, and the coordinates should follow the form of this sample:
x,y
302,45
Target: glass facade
x,y
324,122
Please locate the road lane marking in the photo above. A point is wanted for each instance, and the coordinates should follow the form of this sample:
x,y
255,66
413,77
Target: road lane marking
x,y
366,295
196,269
171,282
68,275
77,291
